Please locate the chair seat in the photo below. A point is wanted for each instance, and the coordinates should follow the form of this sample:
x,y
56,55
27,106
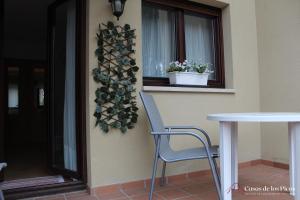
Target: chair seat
x,y
188,154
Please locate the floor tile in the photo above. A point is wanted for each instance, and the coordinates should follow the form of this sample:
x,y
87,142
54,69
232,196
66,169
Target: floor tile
x,y
145,196
52,197
110,196
172,194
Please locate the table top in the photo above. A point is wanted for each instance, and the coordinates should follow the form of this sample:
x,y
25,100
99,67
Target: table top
x,y
256,117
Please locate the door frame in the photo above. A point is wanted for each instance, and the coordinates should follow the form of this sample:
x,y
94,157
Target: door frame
x,y
65,172
3,99
80,114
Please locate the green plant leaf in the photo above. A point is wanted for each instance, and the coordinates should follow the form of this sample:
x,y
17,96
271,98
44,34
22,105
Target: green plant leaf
x,y
132,62
133,80
135,68
97,115
110,25
109,110
134,108
126,27
124,129
103,125
116,124
98,109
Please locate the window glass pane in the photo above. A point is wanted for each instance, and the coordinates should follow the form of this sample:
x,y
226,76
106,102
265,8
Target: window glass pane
x,y
13,95
159,41
199,41
13,87
41,97
39,81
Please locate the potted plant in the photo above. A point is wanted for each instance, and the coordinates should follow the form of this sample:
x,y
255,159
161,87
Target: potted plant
x,y
188,73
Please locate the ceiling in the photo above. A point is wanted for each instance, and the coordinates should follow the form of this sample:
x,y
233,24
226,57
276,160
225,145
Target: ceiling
x,y
25,22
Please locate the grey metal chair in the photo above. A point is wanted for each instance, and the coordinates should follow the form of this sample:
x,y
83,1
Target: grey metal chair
x,y
164,151
2,166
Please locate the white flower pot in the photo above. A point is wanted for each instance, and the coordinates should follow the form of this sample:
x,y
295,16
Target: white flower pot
x,y
188,78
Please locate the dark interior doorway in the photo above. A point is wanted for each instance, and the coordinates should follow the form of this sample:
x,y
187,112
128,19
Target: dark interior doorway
x,y
41,87
26,138
25,63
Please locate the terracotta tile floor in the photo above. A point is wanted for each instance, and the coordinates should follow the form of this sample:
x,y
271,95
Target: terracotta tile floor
x,y
199,188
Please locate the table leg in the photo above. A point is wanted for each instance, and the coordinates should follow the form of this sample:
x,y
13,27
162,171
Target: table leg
x,y
294,133
225,159
234,155
292,156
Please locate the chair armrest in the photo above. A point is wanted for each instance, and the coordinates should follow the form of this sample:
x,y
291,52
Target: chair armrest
x,y
2,166
193,128
169,133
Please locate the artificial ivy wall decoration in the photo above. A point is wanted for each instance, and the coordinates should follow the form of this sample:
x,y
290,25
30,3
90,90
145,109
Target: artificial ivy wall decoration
x,y
115,74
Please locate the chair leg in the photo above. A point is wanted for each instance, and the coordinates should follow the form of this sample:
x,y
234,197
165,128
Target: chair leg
x,y
214,173
163,178
216,167
154,172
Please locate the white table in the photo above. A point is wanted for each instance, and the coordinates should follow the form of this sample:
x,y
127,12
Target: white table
x,y
228,146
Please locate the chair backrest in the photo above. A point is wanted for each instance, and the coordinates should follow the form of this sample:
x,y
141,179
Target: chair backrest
x,y
155,120
152,112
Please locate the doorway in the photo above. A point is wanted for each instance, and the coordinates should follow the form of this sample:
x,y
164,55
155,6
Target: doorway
x,y
42,65
26,137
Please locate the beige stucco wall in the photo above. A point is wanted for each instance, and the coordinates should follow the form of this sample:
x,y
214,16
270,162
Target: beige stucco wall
x,y
116,157
278,26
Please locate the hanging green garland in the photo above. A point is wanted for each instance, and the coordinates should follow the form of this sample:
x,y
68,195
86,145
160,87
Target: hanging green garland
x,y
115,74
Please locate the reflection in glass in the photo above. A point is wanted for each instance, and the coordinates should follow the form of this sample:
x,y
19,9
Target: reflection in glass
x,y
41,97
39,81
13,88
13,95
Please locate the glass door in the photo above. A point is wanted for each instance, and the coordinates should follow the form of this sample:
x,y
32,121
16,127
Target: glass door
x,y
62,93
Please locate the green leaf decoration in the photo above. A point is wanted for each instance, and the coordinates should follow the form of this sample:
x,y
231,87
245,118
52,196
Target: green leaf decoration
x,y
98,109
134,119
115,75
135,68
123,129
127,27
132,62
110,25
116,124
104,126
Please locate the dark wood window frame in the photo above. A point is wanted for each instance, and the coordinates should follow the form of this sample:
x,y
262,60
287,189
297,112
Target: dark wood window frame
x,y
181,7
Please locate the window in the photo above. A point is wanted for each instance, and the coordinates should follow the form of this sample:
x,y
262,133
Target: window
x,y
180,30
39,76
13,95
41,97
13,89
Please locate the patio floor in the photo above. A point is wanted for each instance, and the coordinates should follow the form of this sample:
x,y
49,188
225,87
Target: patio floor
x,y
198,187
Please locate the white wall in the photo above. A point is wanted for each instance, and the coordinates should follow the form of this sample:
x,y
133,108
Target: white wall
x,y
116,158
278,28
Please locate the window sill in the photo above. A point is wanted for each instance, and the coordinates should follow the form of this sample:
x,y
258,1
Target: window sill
x,y
187,89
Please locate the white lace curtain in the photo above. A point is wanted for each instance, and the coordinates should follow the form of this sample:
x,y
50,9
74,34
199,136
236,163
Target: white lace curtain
x,y
159,40
70,157
199,40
